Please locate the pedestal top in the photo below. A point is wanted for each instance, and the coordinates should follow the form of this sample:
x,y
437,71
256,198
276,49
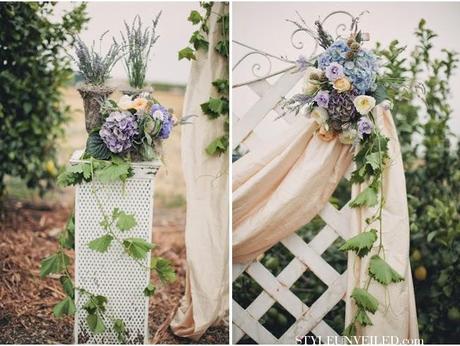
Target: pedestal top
x,y
142,170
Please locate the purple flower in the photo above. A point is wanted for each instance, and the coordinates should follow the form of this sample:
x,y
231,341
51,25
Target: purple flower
x,y
302,63
364,127
322,98
158,112
118,131
334,71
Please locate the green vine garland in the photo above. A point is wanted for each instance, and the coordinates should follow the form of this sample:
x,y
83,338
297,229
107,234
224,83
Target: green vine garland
x,y
218,106
370,164
115,225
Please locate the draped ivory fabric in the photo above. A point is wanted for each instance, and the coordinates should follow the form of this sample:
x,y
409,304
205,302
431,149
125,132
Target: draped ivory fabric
x,y
278,189
206,232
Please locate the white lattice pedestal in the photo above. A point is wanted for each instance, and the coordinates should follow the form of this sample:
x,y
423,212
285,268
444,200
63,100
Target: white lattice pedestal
x,y
113,274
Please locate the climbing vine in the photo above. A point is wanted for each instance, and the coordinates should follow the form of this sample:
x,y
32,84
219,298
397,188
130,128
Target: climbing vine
x,y
115,224
218,105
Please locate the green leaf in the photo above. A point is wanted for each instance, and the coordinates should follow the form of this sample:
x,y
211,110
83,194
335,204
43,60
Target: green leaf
x,y
221,85
194,17
199,41
75,174
137,247
149,290
67,237
120,329
65,307
365,300
380,94
101,244
373,160
350,330
222,48
96,147
368,198
363,319
164,270
54,264
382,272
119,171
187,53
217,146
68,286
95,323
361,243
125,222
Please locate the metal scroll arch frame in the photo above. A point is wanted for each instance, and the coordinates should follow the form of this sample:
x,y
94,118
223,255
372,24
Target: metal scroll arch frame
x,y
342,30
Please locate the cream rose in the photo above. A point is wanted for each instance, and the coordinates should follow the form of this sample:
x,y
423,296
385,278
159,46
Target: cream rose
x,y
139,103
348,136
320,115
364,104
125,102
313,73
342,84
310,88
312,77
325,135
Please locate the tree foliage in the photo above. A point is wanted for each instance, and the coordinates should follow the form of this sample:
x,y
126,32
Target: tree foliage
x,y
33,70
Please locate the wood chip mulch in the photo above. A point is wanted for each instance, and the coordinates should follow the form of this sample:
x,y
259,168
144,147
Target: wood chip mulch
x,y
28,232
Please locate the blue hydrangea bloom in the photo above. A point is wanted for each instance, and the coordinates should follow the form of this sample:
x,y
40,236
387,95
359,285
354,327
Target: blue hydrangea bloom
x,y
361,71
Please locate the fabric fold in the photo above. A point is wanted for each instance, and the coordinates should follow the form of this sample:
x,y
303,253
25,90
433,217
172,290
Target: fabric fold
x,y
206,178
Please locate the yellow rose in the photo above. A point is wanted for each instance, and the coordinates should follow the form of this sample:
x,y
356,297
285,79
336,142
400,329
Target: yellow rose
x,y
139,103
364,104
325,135
320,115
342,84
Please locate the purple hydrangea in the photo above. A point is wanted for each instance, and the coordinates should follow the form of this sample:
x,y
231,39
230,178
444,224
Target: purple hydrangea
x,y
364,127
341,109
322,98
158,112
334,71
118,131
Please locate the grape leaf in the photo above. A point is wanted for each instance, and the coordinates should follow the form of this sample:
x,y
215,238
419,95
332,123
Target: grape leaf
x,y
101,244
120,329
350,330
187,53
95,323
114,172
67,285
367,197
363,319
373,160
149,290
194,17
53,264
365,300
163,268
125,222
361,243
137,247
382,272
64,307
75,174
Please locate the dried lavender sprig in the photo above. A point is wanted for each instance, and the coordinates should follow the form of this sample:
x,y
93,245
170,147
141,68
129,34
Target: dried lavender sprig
x,y
295,104
324,38
94,66
137,44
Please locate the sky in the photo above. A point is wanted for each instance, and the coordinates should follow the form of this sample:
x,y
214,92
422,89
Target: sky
x,y
173,28
270,32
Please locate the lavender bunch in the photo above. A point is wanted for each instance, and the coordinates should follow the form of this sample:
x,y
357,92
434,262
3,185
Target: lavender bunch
x,y
295,104
94,66
138,44
118,131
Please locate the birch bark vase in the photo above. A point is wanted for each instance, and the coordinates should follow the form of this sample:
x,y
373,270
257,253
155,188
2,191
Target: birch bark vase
x,y
93,96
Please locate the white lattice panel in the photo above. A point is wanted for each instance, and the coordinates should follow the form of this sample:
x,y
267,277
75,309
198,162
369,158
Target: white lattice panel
x,y
113,274
307,256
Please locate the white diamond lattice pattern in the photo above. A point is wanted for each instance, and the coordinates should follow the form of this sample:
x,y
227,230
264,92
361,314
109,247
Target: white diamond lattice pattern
x,y
113,274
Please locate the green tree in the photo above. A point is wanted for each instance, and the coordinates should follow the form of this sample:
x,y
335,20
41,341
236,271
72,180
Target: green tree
x,y
33,70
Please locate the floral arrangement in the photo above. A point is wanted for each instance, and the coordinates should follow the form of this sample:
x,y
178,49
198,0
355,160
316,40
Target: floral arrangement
x,y
132,128
341,90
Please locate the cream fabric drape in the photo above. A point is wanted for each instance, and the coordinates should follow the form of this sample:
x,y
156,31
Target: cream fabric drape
x,y
278,189
206,231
